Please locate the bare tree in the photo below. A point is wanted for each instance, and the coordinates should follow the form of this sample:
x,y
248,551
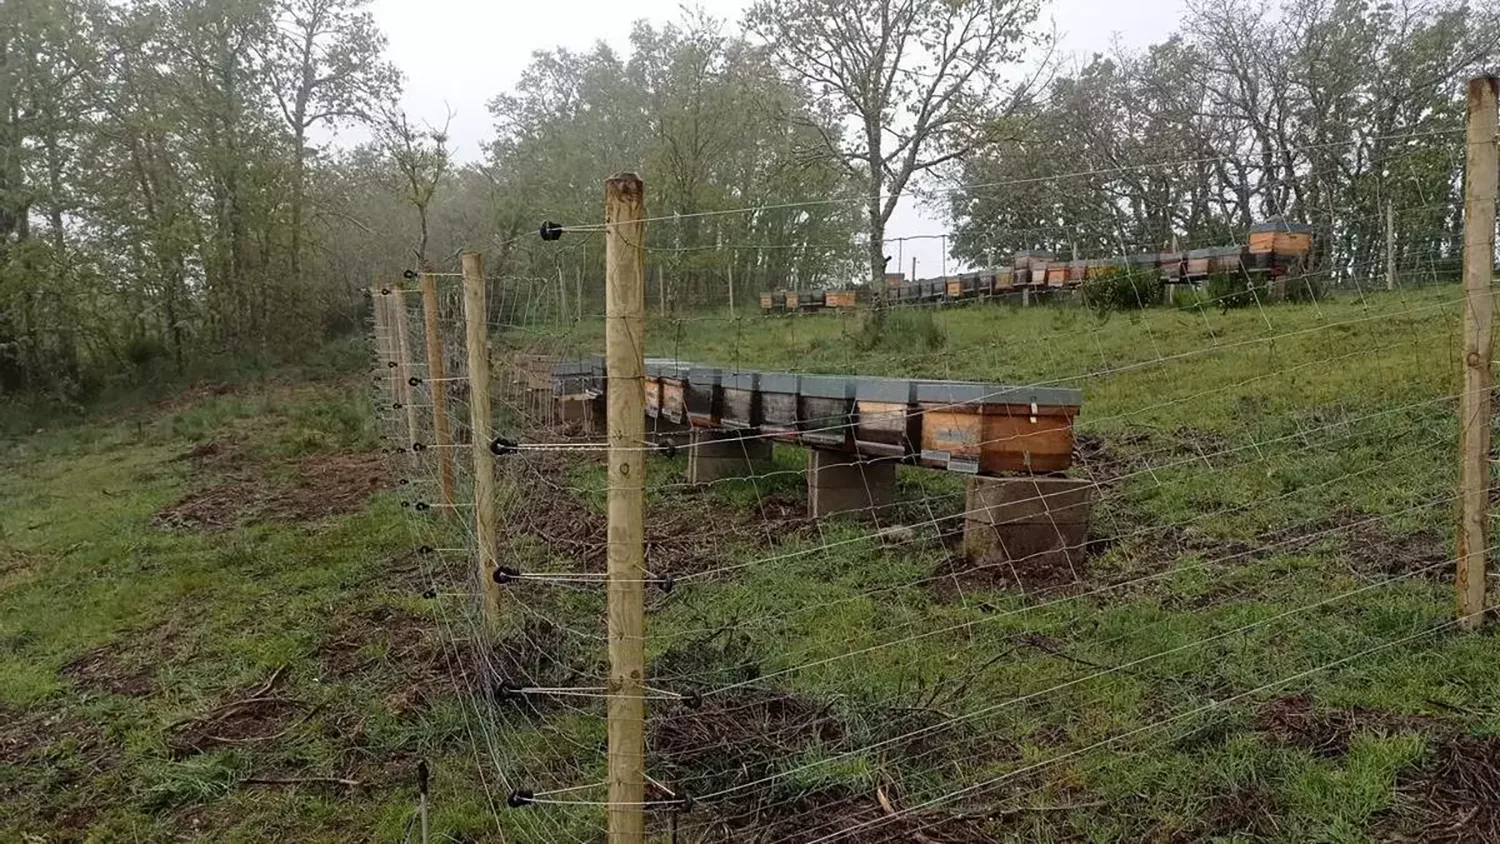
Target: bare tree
x,y
923,80
422,160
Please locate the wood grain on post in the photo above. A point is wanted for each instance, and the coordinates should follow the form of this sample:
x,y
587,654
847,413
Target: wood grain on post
x,y
442,437
625,307
1482,181
382,339
477,342
403,361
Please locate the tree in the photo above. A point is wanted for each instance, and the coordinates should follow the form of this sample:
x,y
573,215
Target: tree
x,y
326,67
922,81
421,159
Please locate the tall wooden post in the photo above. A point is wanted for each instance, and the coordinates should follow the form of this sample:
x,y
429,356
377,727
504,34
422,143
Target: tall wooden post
x,y
481,414
624,332
1390,245
403,363
1481,183
731,289
442,436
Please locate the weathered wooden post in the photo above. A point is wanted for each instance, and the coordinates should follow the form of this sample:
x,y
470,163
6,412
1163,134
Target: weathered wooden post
x,y
1390,245
442,437
403,361
625,306
481,414
381,315
1481,183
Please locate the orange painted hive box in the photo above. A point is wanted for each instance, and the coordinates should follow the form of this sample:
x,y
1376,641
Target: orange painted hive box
x,y
666,389
989,429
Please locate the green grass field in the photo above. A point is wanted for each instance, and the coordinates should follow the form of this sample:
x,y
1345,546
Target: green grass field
x,y
215,626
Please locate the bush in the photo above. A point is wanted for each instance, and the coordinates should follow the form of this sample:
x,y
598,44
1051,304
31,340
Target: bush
x,y
901,329
1232,290
1121,289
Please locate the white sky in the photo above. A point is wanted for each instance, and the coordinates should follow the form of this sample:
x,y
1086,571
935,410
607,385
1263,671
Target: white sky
x,y
457,54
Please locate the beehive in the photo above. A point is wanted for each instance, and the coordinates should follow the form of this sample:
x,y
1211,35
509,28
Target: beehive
x,y
1226,259
1169,266
886,423
767,301
778,403
987,429
666,389
953,287
1199,263
1077,270
705,397
1005,279
843,299
739,400
825,406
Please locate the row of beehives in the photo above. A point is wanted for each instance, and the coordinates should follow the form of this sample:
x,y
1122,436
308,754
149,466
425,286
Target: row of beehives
x,y
1276,249
956,425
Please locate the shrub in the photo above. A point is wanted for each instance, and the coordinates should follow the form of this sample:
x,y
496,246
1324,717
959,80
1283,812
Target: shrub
x,y
1121,289
901,329
1232,290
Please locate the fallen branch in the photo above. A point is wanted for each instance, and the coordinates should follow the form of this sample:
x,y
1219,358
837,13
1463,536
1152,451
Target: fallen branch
x,y
300,781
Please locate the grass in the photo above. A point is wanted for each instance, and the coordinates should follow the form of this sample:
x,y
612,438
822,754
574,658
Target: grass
x,y
1277,484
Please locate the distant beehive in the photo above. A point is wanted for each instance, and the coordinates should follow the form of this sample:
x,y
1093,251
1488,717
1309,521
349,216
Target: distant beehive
x,y
1281,238
842,299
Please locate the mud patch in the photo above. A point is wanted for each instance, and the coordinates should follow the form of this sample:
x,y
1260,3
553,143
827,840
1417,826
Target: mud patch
x,y
323,485
1055,572
1455,797
248,717
1294,721
1250,809
1370,547
107,670
740,735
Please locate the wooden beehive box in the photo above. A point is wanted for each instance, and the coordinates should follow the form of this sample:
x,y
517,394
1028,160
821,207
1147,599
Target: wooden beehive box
x,y
1169,266
705,397
886,423
739,397
1077,270
825,407
953,287
778,403
988,429
1005,279
842,299
1199,263
666,386
1057,274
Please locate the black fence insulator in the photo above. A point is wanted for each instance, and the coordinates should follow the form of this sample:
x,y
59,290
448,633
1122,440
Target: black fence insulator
x,y
396,405
405,504
429,593
408,274
520,797
418,446
505,690
390,364
667,583
424,549
414,381
403,482
421,505
669,448
400,449
502,446
422,777
505,574
692,700
683,802
385,291
551,230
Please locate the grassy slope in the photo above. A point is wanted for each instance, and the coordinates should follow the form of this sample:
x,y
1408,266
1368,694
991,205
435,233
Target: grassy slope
x,y
1225,443
1271,460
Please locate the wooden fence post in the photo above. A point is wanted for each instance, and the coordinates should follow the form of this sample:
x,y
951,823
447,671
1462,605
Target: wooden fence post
x,y
1482,181
383,341
625,307
481,415
403,361
1390,245
442,436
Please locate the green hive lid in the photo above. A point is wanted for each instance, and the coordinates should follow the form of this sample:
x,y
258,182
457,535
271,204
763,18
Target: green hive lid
x,y
779,382
961,392
705,376
887,390
827,386
740,380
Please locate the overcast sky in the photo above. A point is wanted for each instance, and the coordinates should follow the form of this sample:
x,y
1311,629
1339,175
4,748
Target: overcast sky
x,y
457,54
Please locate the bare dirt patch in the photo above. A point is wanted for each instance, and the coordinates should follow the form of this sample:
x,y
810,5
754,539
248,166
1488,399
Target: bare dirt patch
x,y
1369,547
108,670
247,717
1057,573
320,485
1455,797
1295,721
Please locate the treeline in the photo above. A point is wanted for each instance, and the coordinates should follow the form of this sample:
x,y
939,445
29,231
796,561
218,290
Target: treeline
x,y
169,193
1330,113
